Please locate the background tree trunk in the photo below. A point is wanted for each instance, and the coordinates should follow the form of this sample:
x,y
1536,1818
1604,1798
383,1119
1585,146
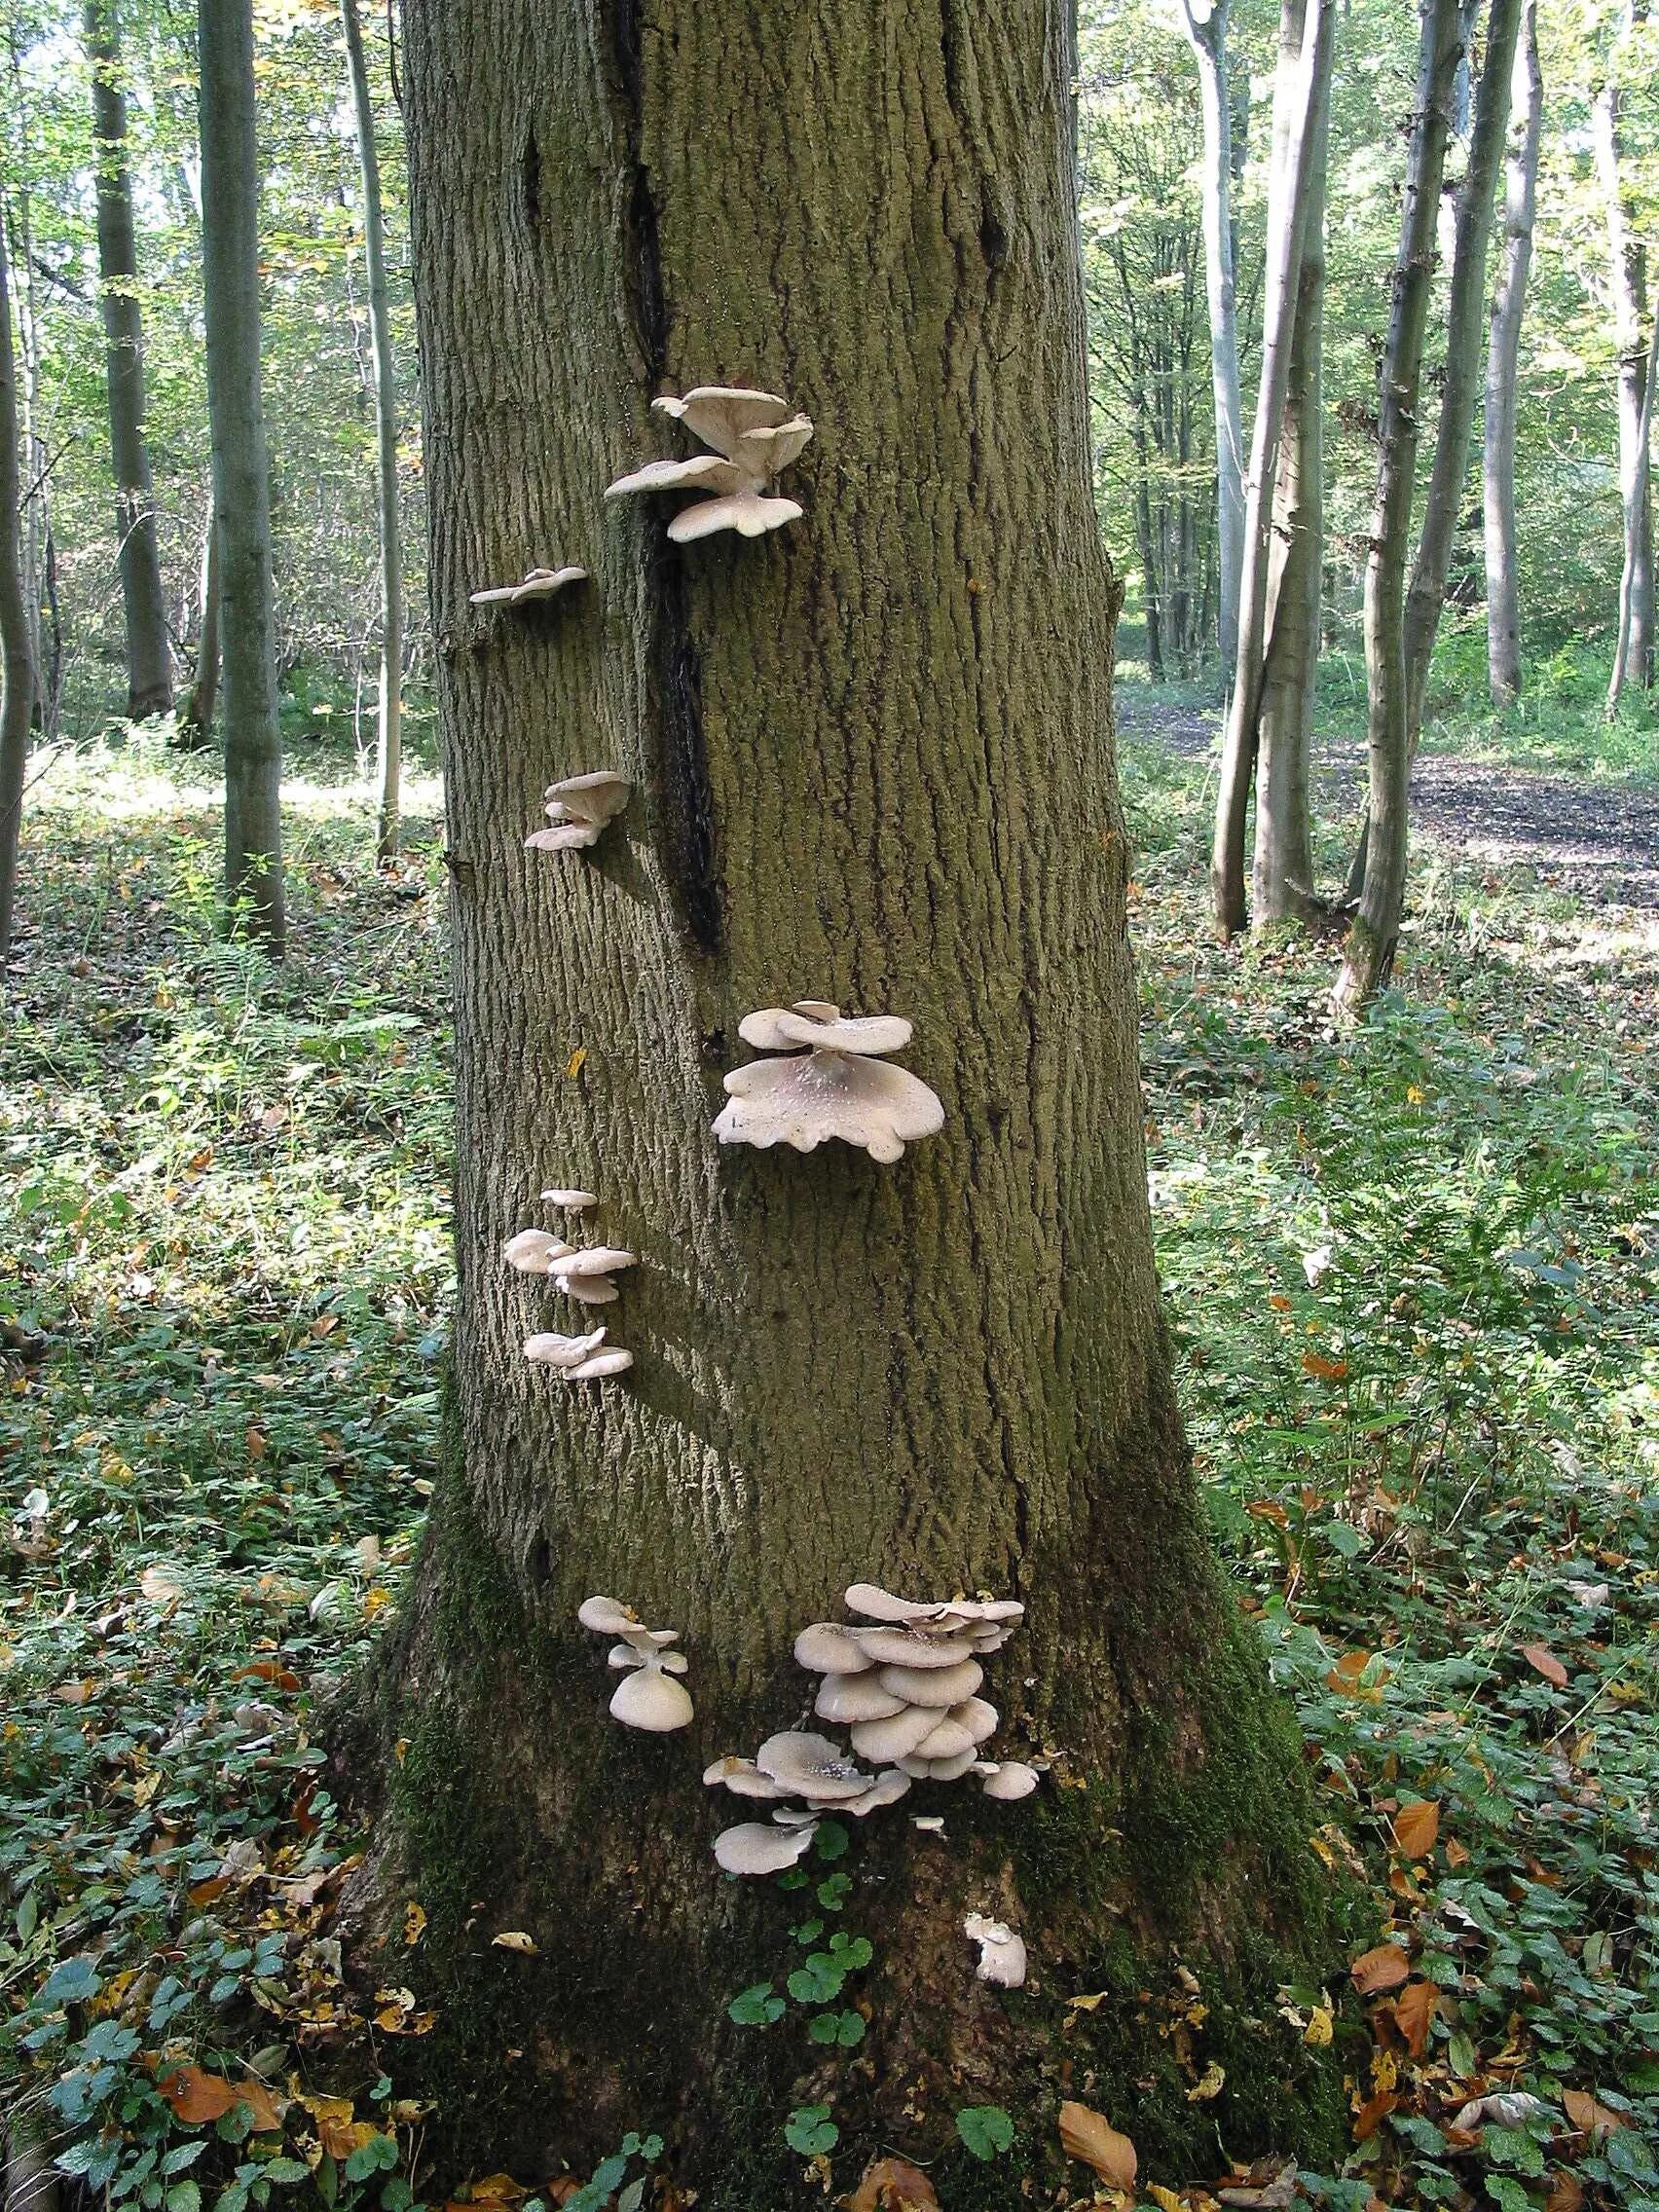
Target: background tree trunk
x,y
1282,884
871,758
1368,957
1443,502
389,756
241,491
1628,266
1301,91
1503,361
149,647
195,716
1206,30
18,685
1637,501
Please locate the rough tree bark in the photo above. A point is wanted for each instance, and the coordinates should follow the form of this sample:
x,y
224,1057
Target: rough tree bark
x,y
1283,874
149,647
241,491
1443,502
1301,91
16,681
388,758
1368,957
1206,31
1504,362
196,716
1628,266
871,758
1639,497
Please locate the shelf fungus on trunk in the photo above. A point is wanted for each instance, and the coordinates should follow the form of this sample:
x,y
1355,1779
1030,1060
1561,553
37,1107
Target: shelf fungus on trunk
x,y
754,436
649,1696
537,583
1001,1953
836,1081
579,808
573,1201
577,1359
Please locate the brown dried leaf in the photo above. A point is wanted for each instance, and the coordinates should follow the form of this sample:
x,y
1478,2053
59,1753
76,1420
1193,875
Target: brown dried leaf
x,y
1413,2014
1590,2116
1546,1662
1090,2136
1416,1828
1384,1966
893,2185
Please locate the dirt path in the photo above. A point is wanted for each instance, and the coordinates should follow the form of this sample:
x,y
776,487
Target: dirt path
x,y
1597,841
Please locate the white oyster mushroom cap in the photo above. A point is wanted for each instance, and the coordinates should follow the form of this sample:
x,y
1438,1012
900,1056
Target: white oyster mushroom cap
x,y
757,1847
889,1786
586,1275
1001,1953
912,1648
725,416
533,1251
754,436
933,1685
806,1100
566,1352
573,1201
742,1778
649,1698
895,1738
537,583
842,1698
817,1025
642,1644
706,470
579,808
601,1366
823,1647
812,1767
1008,1779
750,513
607,1617
938,1770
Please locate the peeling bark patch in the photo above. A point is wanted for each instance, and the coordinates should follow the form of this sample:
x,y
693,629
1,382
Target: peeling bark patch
x,y
681,768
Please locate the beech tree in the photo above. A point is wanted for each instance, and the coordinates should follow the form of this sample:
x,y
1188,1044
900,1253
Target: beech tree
x,y
17,656
149,644
1627,254
1503,359
870,759
241,490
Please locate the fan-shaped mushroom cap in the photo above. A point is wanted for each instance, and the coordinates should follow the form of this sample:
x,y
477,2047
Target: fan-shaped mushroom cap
x,y
938,1770
823,1647
1009,1779
912,1647
639,1645
566,1352
854,1697
812,1767
895,1738
752,514
878,1604
886,1789
962,1729
742,1778
932,1685
778,447
579,808
705,470
806,1100
757,1847
650,1699
607,1617
585,1275
816,1024
573,1201
537,583
725,416
533,1251
601,1366
1001,1953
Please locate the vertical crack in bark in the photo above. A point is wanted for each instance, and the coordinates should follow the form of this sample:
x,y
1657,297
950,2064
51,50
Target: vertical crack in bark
x,y
530,178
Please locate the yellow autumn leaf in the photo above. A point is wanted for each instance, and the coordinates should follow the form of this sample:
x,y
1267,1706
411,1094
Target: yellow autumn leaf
x,y
1208,2085
515,1940
1321,2027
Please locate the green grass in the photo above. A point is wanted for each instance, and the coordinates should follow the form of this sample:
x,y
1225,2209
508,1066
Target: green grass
x,y
1412,1277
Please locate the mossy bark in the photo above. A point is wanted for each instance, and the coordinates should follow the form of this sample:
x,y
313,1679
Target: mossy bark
x,y
872,762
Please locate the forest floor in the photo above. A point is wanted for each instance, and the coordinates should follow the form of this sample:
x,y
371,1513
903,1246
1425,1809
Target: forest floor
x,y
1413,1274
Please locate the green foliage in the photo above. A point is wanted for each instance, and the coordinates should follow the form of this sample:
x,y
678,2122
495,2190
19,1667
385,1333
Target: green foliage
x,y
986,2130
811,2131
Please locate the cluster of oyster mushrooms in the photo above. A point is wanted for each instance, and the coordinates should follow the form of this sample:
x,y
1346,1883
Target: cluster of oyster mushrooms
x,y
649,1696
579,809
903,1678
583,1273
833,1079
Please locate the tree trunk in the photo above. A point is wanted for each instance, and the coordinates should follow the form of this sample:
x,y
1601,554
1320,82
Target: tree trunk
x,y
1368,957
1283,885
1300,95
149,649
17,659
1628,260
389,751
1206,30
196,717
1503,360
1637,501
241,491
1444,500
870,756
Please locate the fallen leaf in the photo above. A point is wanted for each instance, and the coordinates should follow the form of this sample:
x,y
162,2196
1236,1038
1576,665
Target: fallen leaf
x,y
1546,1662
1326,1370
338,2129
1091,2137
1373,2113
159,1586
1591,2117
1566,2193
1384,1966
1415,1827
197,2097
1413,2014
413,1923
515,1940
1165,2199
270,1671
893,2185
577,1060
1504,2108
1266,2196
1208,2085
1321,2027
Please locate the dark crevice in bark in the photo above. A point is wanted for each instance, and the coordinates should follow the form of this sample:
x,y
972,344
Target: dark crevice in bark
x,y
530,178
642,259
993,236
686,801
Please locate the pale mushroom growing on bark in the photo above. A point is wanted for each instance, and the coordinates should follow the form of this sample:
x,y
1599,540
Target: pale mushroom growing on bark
x,y
533,1251
1001,1953
586,1275
755,1848
648,1697
1007,1779
537,583
754,436
579,809
577,1359
835,1083
573,1201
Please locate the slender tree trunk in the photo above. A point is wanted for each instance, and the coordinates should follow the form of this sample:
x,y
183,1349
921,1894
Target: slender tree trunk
x,y
1369,955
1627,260
869,757
1301,91
149,649
1448,474
195,716
1282,886
1206,30
389,751
16,658
241,490
1638,500
1503,361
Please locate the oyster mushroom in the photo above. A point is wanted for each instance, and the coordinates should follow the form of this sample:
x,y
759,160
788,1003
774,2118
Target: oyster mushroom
x,y
932,1685
648,1697
1008,1779
579,808
586,1275
937,1770
823,1647
754,436
810,1766
756,1847
895,1738
537,583
533,1251
573,1201
566,1352
843,1698
1001,1953
835,1083
606,1616
742,1778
